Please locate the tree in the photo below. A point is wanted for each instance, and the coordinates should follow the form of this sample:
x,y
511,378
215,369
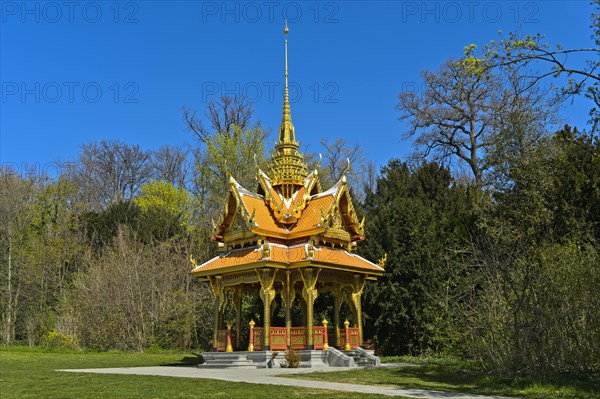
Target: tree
x,y
466,112
533,308
166,210
52,253
110,171
518,51
338,156
43,251
417,220
455,116
102,226
16,196
222,116
224,155
135,295
230,144
169,163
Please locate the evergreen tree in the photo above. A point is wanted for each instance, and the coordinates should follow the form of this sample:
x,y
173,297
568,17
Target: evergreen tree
x,y
416,221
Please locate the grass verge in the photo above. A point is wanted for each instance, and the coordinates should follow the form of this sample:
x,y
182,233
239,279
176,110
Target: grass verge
x,y
462,376
29,373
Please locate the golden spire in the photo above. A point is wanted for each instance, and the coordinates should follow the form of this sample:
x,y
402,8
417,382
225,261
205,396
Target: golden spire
x,y
286,130
287,164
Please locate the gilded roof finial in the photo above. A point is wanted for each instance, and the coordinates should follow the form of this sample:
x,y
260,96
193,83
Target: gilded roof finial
x,y
287,164
286,131
285,32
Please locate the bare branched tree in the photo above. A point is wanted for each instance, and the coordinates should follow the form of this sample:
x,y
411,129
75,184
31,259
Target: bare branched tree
x,y
170,164
455,115
336,156
221,117
109,171
580,65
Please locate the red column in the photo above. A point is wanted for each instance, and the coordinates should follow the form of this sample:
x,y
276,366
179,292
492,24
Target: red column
x,y
251,344
229,347
347,347
325,335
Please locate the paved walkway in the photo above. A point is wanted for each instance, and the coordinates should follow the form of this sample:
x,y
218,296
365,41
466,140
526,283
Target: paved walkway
x,y
269,376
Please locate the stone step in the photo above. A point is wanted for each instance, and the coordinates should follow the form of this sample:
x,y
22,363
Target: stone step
x,y
226,360
250,365
360,359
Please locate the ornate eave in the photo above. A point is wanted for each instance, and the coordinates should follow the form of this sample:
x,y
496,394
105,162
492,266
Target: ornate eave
x,y
269,255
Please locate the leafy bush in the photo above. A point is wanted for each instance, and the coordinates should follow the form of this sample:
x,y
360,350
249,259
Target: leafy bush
x,y
292,359
56,339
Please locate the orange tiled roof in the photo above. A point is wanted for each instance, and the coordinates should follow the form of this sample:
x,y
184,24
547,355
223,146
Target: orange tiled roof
x,y
262,214
344,258
232,258
311,216
286,255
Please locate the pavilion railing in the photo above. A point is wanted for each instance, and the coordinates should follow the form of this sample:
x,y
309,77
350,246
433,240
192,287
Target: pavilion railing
x,y
353,333
319,337
278,338
222,339
298,338
258,338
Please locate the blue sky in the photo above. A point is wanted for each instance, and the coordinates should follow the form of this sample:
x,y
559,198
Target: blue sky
x,y
74,72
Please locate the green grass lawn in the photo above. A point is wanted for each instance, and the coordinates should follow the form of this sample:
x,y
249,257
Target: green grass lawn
x,y
461,376
29,373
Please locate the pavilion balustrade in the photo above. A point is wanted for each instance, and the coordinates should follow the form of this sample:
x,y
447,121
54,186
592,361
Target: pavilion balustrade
x,y
278,338
299,337
222,339
353,334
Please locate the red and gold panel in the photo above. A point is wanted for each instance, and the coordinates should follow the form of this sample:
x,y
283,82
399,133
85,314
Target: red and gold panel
x,y
318,337
258,338
278,338
298,337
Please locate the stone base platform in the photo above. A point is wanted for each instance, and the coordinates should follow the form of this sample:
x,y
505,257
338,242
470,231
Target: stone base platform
x,y
276,359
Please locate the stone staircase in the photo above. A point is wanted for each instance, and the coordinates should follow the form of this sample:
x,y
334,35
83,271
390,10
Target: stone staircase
x,y
362,358
222,360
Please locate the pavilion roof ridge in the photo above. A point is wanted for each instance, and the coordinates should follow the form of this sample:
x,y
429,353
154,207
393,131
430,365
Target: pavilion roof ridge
x,y
244,191
331,191
355,255
276,244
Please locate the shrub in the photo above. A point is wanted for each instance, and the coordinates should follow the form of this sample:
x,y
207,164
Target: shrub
x,y
56,339
292,359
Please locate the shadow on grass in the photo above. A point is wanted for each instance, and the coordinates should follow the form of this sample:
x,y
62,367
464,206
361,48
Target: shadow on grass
x,y
187,361
472,380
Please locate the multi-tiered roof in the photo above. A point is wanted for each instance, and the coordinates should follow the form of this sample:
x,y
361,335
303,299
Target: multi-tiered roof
x,y
288,222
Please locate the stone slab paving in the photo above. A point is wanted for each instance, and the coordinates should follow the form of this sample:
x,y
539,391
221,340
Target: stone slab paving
x,y
270,376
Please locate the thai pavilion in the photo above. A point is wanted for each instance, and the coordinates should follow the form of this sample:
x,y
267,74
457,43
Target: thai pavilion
x,y
288,238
